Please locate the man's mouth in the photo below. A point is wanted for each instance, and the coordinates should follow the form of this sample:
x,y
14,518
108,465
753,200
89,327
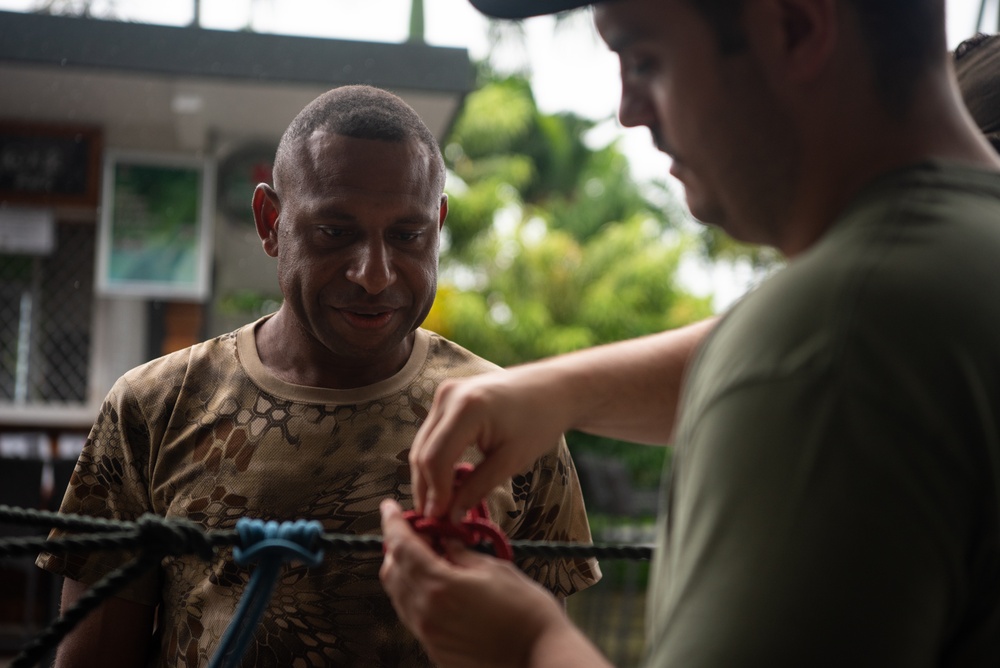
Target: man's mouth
x,y
676,168
660,143
367,319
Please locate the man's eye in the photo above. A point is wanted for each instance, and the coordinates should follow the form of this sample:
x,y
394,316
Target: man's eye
x,y
335,232
640,67
637,66
407,236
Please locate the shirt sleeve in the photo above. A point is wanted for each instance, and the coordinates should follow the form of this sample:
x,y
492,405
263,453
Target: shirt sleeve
x,y
552,509
110,481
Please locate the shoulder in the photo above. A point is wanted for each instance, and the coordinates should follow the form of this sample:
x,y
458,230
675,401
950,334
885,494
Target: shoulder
x,y
899,263
211,363
449,359
892,293
218,350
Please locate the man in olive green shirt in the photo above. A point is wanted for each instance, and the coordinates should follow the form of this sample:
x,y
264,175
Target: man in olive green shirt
x,y
835,497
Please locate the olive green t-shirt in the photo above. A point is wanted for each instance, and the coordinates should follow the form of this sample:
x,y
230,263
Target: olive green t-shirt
x,y
209,435
835,496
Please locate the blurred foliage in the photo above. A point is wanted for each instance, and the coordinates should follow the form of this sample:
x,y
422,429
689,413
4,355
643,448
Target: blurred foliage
x,y
249,302
716,245
552,246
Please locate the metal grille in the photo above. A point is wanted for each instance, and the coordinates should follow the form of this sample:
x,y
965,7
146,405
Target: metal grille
x,y
45,316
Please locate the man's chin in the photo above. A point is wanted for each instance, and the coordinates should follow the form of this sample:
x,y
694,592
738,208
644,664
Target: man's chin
x,y
707,213
370,345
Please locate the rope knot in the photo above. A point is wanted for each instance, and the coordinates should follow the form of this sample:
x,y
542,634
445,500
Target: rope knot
x,y
173,537
286,541
271,545
475,528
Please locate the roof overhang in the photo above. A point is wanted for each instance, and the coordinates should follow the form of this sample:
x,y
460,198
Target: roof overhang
x,y
191,89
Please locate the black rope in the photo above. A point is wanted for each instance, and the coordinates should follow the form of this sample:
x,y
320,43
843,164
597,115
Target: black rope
x,y
177,537
556,550
32,517
157,537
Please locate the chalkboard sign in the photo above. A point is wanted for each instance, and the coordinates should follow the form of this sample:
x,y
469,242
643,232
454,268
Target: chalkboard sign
x,y
43,165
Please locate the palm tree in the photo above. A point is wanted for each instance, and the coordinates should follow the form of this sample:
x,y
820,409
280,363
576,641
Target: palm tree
x,y
551,245
416,21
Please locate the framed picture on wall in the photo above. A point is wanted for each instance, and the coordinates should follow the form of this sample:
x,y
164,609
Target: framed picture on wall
x,y
156,226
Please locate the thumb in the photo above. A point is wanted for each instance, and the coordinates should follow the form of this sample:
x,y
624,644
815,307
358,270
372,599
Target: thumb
x,y
463,557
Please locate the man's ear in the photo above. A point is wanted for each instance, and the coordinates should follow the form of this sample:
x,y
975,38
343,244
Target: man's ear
x,y
266,210
797,37
443,212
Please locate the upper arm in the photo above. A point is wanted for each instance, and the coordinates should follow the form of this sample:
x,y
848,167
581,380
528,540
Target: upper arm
x,y
117,634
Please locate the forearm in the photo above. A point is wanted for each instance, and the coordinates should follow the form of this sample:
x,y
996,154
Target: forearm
x,y
116,635
565,647
627,390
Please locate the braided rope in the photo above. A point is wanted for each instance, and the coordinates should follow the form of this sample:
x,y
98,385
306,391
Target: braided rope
x,y
187,538
157,537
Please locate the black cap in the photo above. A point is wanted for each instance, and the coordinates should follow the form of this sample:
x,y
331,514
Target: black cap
x,y
520,9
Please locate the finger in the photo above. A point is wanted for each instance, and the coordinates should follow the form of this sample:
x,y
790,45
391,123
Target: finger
x,y
417,481
396,531
423,443
407,556
392,518
439,444
392,571
431,489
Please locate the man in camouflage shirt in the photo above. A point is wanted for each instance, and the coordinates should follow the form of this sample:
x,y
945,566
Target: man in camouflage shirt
x,y
307,413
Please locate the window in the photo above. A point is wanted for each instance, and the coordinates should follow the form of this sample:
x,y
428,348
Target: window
x,y
46,303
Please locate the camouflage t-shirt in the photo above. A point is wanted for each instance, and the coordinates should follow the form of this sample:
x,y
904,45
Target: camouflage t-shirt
x,y
208,434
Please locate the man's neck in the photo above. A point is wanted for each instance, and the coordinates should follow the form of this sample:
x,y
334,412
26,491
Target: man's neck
x,y
295,356
866,146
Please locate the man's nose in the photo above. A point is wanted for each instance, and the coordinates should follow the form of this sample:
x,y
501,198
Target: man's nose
x,y
371,267
634,109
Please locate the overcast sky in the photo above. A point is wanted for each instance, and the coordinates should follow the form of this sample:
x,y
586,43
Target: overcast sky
x,y
571,70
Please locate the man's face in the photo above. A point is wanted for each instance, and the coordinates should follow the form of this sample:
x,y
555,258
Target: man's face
x,y
357,246
711,112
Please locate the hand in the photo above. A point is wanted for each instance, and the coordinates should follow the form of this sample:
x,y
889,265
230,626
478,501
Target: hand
x,y
513,417
468,609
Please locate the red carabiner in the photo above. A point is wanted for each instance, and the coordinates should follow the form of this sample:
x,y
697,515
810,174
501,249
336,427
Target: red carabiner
x,y
474,529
